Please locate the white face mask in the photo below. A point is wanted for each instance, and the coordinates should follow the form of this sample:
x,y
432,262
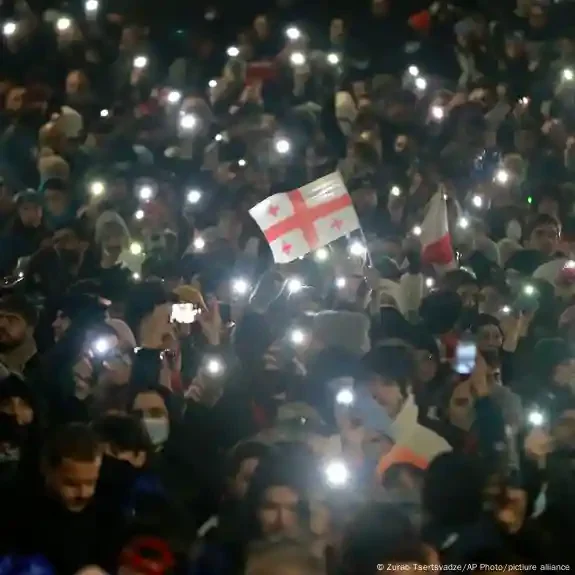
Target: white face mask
x,y
158,429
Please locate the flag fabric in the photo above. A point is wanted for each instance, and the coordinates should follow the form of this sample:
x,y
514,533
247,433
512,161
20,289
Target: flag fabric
x,y
298,222
435,238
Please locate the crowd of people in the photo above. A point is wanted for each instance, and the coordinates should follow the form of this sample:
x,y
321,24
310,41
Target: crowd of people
x,y
173,400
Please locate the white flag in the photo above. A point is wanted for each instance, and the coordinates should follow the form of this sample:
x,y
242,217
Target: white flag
x,y
298,222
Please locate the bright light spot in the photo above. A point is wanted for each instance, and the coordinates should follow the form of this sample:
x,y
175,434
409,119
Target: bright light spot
x,y
536,418
477,201
333,59
506,310
569,265
429,283
293,33
297,336
282,146
463,223
421,83
297,59
174,97
140,62
502,176
199,244
336,474
139,215
413,71
529,200
340,282
294,285
91,5
416,230
396,191
146,193
194,196
356,248
9,28
188,122
136,276
20,275
568,74
212,83
233,52
529,290
345,396
136,248
240,286
104,113
437,112
218,138
524,101
101,346
242,163
322,255
63,24
214,366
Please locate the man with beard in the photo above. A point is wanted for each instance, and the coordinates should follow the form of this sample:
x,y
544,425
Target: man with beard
x,y
18,318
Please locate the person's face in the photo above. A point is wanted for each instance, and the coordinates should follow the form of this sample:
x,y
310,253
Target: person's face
x,y
30,214
525,142
66,240
387,394
18,408
134,458
74,83
545,239
56,201
240,483
15,99
489,338
469,294
278,512
426,365
261,26
564,374
74,482
83,379
548,206
460,411
112,246
60,325
537,17
117,370
336,30
13,330
129,40
150,405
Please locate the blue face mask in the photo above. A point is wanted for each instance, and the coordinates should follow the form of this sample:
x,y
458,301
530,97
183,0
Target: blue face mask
x,y
158,430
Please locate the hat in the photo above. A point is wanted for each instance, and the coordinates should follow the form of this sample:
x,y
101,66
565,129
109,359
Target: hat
x,y
28,196
391,362
19,305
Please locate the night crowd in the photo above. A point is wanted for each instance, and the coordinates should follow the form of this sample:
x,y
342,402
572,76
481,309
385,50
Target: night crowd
x,y
174,402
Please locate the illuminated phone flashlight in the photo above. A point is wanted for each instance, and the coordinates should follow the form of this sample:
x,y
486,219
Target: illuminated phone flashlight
x,y
194,196
356,248
463,223
97,189
233,52
505,310
536,418
293,33
345,396
294,285
139,214
214,366
477,201
240,286
212,84
9,29
297,59
282,146
145,193
242,163
218,137
529,290
416,231
396,191
199,244
502,176
333,59
429,283
340,282
188,122
140,62
321,255
136,248
568,75
136,277
421,83
297,336
437,113
63,24
524,101
91,6
174,97
104,113
413,71
336,474
101,346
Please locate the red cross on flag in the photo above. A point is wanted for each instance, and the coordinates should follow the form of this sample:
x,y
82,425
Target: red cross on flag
x,y
298,222
435,237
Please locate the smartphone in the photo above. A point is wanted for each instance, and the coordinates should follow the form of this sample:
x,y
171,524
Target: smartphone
x,y
184,313
465,354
